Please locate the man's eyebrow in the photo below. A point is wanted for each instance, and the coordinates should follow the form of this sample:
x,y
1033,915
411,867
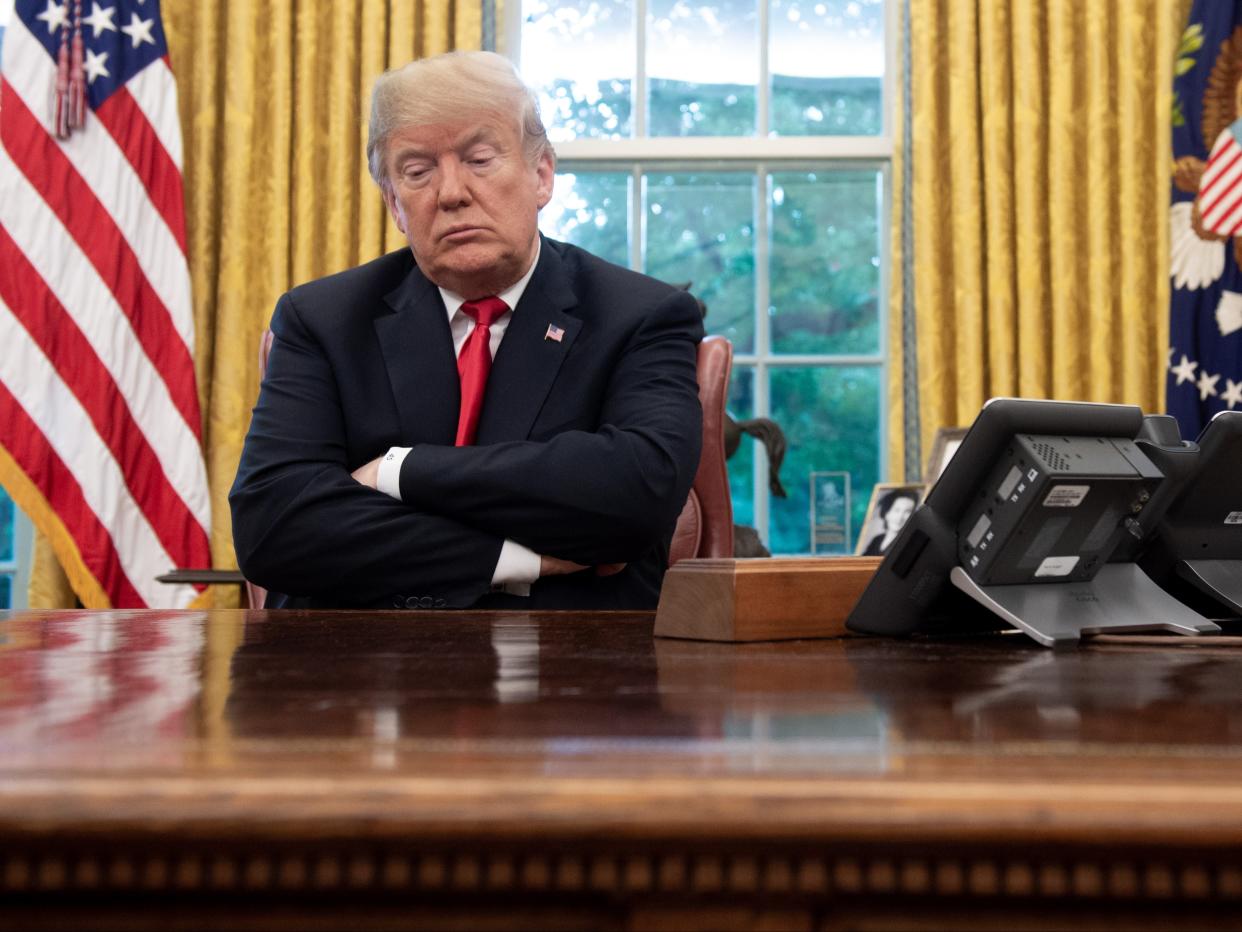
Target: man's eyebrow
x,y
482,135
409,150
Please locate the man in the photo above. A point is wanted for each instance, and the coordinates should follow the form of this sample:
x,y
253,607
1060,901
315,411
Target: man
x,y
488,419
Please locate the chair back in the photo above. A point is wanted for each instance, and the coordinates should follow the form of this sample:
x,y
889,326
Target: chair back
x,y
705,527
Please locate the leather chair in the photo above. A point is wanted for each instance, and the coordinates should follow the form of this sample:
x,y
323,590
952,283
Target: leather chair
x,y
705,526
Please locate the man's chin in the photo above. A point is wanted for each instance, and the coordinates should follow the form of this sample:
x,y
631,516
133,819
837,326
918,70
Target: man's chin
x,y
474,273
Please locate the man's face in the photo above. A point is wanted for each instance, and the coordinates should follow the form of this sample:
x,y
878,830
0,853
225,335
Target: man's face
x,y
468,202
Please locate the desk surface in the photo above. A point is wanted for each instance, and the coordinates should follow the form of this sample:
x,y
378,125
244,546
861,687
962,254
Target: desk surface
x,y
575,755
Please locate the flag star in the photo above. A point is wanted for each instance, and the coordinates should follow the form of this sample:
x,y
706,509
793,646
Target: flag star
x,y
55,16
1207,385
96,66
139,30
100,19
1232,395
1185,371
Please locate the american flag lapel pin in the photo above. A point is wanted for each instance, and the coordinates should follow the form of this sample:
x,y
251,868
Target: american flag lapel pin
x,y
554,333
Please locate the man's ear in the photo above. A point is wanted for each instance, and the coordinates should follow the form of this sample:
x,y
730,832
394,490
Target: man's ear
x,y
390,201
545,171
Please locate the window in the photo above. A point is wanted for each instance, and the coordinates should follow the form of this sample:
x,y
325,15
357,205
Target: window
x,y
742,146
15,542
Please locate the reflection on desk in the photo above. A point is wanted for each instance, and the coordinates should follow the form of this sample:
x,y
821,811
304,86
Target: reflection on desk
x,y
568,770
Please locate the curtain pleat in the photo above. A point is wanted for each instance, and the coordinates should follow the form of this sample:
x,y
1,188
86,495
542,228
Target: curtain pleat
x,y
1040,149
274,99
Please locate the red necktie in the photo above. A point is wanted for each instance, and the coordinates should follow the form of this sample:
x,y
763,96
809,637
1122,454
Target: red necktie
x,y
473,364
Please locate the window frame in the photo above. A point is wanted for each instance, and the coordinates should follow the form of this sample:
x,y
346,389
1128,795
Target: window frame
x,y
765,155
18,568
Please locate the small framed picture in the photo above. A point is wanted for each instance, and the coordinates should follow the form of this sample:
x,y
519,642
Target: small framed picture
x,y
830,512
891,505
944,445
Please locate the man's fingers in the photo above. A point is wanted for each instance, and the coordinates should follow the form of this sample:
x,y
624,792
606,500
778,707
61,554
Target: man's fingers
x,y
368,474
551,566
609,569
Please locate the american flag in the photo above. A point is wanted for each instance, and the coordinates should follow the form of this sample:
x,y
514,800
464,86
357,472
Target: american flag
x,y
554,333
99,416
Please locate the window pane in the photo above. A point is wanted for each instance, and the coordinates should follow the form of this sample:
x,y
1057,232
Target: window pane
x,y
827,65
6,590
700,228
702,67
740,406
591,210
6,527
579,56
831,416
825,261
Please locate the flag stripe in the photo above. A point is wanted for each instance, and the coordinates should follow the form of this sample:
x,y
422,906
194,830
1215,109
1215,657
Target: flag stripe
x,y
1220,170
1223,196
1222,157
1222,183
155,93
35,385
60,189
29,448
102,165
29,299
137,138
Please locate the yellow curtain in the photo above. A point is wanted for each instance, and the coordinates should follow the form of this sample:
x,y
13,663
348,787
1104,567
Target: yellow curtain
x,y
1041,160
274,98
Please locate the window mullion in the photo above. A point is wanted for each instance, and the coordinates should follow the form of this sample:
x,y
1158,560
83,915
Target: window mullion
x,y
638,219
639,105
763,345
761,97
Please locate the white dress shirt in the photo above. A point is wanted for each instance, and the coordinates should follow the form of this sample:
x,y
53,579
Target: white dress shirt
x,y
518,566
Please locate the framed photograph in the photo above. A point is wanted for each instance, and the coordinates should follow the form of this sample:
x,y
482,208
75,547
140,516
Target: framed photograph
x,y
890,508
944,445
830,512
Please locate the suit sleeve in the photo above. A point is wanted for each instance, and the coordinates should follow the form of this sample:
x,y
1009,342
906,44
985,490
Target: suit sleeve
x,y
602,496
303,526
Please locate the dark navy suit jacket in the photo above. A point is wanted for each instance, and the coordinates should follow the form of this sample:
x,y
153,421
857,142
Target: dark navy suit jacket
x,y
586,448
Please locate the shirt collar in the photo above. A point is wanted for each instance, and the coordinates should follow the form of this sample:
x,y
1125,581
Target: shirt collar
x,y
511,295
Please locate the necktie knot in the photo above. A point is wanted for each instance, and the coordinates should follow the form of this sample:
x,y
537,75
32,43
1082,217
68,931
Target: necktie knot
x,y
485,311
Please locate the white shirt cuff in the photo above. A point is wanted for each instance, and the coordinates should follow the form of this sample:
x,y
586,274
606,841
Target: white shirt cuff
x,y
388,478
516,569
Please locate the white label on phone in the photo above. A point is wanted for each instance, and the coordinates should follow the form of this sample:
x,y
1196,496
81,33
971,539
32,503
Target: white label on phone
x,y
1066,496
1057,566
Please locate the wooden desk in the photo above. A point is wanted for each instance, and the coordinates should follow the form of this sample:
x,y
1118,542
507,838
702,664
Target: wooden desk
x,y
308,770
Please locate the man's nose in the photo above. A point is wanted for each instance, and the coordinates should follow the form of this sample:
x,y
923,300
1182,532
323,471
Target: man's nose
x,y
454,185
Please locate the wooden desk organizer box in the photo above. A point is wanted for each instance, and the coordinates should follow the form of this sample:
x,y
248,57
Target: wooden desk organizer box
x,y
761,599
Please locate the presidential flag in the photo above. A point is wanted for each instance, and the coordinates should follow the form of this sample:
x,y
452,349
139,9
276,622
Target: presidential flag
x,y
99,415
1205,325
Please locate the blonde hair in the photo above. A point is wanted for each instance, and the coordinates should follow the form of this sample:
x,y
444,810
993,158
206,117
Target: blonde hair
x,y
442,89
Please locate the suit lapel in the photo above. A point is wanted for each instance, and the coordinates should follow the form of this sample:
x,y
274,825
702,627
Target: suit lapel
x,y
418,353
529,360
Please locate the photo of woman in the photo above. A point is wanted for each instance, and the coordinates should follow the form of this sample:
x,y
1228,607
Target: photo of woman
x,y
890,509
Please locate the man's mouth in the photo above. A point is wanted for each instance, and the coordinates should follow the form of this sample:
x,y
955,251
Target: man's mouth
x,y
460,232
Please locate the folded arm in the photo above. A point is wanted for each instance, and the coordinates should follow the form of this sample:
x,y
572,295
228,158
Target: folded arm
x,y
592,497
302,524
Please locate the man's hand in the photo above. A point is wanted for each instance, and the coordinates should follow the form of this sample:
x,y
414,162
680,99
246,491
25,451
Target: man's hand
x,y
551,566
368,474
